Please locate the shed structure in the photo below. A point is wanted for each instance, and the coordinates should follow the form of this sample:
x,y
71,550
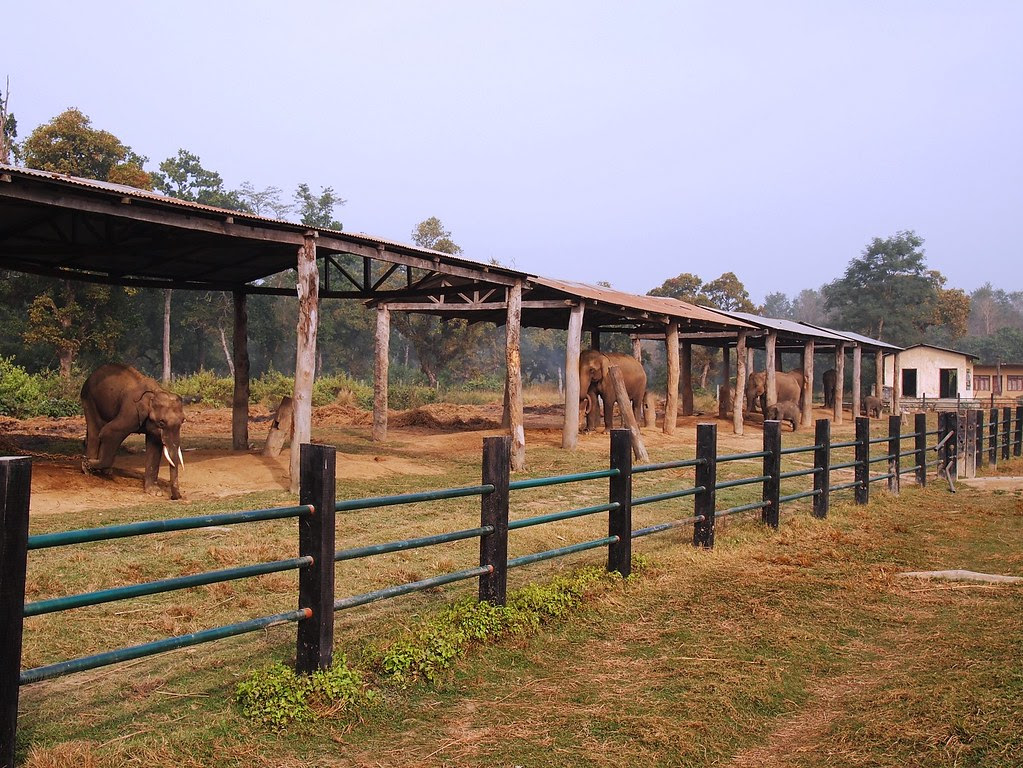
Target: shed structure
x,y
924,372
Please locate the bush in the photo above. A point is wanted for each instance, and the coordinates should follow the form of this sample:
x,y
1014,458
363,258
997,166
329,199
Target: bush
x,y
206,387
269,388
402,397
20,394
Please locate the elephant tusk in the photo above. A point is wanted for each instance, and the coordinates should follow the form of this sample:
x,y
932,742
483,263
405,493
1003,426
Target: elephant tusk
x,y
181,459
166,455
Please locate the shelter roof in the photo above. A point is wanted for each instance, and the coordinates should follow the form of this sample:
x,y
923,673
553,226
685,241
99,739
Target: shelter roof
x,y
941,349
864,341
789,332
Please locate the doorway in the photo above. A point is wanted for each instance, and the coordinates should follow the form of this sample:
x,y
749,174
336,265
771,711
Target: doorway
x,y
909,382
947,382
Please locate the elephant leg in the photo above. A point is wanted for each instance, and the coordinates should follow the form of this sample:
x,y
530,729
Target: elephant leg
x,y
609,411
93,425
175,488
592,414
154,451
109,440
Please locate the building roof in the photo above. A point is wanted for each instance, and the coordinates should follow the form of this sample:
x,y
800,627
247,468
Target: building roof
x,y
859,338
943,349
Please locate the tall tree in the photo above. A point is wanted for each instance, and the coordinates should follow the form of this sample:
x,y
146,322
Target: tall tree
x,y
184,177
808,307
887,293
265,202
777,305
728,293
8,126
685,287
318,210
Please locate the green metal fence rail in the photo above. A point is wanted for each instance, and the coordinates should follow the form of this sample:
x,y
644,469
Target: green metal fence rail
x,y
318,506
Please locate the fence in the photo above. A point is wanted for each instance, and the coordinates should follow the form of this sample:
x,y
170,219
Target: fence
x,y
959,443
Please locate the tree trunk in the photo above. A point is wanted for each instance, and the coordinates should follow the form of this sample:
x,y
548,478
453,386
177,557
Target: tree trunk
x,y
227,351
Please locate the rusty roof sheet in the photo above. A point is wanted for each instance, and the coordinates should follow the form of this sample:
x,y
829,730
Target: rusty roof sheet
x,y
789,327
657,304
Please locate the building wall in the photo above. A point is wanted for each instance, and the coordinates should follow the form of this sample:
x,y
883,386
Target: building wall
x,y
928,362
1011,380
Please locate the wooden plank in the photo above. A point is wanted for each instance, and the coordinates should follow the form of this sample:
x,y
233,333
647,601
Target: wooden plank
x,y
316,539
671,395
570,429
240,401
493,586
280,429
15,484
839,382
308,285
513,377
382,340
619,521
628,416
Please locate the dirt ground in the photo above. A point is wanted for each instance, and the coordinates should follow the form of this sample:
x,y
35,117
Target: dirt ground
x,y
417,440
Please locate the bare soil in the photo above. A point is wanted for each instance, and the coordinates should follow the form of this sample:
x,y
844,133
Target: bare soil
x,y
418,440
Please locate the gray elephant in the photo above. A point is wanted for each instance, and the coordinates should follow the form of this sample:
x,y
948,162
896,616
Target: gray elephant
x,y
830,381
872,406
789,386
119,401
594,381
785,410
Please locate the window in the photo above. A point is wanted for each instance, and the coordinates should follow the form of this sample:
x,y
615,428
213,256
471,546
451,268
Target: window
x,y
982,383
1014,383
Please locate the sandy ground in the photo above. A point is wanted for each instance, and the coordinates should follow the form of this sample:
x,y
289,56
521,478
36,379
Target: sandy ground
x,y
417,439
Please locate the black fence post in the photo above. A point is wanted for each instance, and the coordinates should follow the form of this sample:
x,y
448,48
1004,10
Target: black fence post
x,y
15,484
981,453
494,511
920,444
772,471
992,454
1018,450
862,458
619,521
822,465
1007,442
706,475
894,448
317,469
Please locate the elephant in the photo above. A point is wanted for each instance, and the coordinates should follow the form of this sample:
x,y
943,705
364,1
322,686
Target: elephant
x,y
789,386
785,410
830,380
119,401
595,380
872,406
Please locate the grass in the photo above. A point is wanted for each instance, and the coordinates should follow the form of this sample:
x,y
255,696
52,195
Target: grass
x,y
798,647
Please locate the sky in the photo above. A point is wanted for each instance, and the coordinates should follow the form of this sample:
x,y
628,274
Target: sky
x,y
590,141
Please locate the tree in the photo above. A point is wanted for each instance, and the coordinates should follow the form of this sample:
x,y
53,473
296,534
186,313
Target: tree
x,y
887,293
265,202
439,343
8,127
318,211
728,293
685,287
69,144
808,307
777,305
184,177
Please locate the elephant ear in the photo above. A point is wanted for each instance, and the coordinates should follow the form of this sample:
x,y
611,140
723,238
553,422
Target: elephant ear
x,y
144,404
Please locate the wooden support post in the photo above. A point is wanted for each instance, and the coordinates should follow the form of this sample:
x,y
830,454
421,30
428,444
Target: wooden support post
x,y
740,383
15,488
628,416
1007,436
594,336
619,522
862,458
993,439
896,385
822,463
808,352
637,348
493,587
857,376
894,447
1018,443
513,370
769,514
671,395
920,445
240,402
749,360
964,437
725,389
878,376
382,359
308,288
981,453
772,381
686,371
839,381
706,476
316,540
570,430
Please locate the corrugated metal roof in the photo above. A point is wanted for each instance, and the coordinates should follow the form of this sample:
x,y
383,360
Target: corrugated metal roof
x,y
788,327
859,338
935,346
657,304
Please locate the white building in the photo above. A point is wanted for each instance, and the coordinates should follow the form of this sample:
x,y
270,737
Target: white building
x,y
932,373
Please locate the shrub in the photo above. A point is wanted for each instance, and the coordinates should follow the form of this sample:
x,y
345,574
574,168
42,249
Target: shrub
x,y
206,387
269,388
20,394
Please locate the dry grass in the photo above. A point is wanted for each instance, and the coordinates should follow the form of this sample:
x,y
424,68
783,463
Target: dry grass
x,y
794,648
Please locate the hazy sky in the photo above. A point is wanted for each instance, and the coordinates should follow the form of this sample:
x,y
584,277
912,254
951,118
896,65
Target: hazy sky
x,y
625,142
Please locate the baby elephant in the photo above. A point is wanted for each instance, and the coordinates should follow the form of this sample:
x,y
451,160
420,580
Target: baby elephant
x,y
785,410
872,406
